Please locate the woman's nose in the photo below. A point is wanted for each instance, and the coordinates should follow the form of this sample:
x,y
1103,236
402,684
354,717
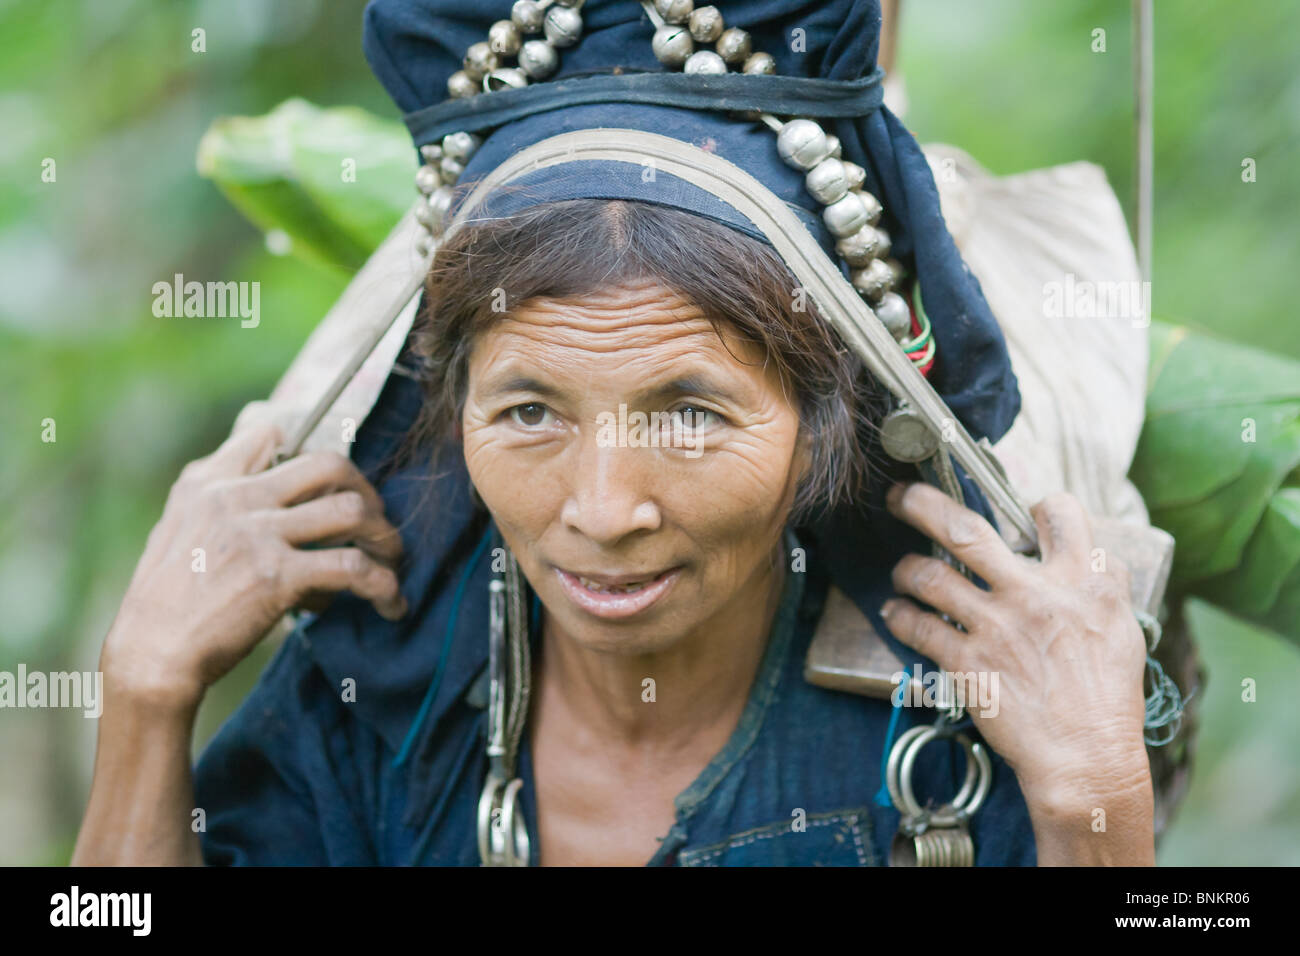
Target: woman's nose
x,y
611,492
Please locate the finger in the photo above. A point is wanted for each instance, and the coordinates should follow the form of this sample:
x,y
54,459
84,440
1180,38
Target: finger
x,y
346,569
925,633
307,476
940,585
971,539
248,450
347,516
1064,534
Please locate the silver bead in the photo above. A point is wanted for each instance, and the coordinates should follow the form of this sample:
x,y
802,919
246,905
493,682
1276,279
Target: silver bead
x,y
857,175
705,61
884,245
562,25
860,248
894,313
735,46
450,169
527,16
897,272
440,206
674,11
706,24
460,85
826,181
505,38
538,59
874,209
845,216
425,215
427,179
460,146
836,149
802,144
508,78
480,61
873,281
672,45
431,153
759,63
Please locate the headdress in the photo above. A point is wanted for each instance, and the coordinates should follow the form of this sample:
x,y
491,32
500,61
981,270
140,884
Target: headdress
x,y
763,115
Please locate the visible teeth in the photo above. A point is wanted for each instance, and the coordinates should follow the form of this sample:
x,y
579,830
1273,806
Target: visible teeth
x,y
591,585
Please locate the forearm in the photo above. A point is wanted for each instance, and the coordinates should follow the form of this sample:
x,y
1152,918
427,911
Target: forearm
x,y
1105,819
142,795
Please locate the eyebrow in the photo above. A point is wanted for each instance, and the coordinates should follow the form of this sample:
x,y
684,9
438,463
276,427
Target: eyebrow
x,y
683,385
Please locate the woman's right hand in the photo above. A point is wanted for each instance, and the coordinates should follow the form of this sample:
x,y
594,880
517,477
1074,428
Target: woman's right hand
x,y
226,561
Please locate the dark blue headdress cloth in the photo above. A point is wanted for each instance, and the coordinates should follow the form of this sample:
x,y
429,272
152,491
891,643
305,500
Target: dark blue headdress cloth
x,y
825,63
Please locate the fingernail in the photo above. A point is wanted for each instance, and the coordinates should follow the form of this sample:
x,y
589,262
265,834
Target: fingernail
x,y
888,608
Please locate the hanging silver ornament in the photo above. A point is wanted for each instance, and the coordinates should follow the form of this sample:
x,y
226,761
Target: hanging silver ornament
x,y
674,11
759,64
735,46
802,144
507,78
705,62
826,182
562,25
894,313
427,179
873,281
460,85
527,16
845,216
505,38
672,45
460,146
706,24
538,59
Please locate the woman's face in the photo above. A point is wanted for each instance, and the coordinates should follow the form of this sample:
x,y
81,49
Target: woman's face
x,y
640,472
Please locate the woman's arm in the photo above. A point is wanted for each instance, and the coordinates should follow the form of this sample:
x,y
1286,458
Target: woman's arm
x,y
1059,641
223,564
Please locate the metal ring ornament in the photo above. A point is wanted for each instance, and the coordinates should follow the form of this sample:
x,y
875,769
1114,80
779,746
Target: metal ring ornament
x,y
974,789
502,830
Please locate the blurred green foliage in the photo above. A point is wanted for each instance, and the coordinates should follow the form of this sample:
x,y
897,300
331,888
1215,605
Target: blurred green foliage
x,y
115,95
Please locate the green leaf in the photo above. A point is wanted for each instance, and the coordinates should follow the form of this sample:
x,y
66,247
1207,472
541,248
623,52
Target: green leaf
x,y
1219,466
335,180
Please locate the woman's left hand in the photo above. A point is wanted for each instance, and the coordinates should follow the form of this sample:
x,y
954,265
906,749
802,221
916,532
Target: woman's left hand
x,y
1068,655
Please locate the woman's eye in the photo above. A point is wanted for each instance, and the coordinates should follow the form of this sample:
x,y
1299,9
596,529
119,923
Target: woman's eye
x,y
530,415
693,417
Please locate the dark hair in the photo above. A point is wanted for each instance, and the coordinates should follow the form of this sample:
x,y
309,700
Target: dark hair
x,y
577,247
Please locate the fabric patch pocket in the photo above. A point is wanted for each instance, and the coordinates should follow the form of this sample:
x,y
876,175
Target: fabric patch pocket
x,y
835,838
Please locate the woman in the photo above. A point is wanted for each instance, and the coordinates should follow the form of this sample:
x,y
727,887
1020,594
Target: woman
x,y
676,583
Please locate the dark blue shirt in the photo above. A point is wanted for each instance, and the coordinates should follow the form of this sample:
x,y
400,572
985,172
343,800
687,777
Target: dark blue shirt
x,y
302,775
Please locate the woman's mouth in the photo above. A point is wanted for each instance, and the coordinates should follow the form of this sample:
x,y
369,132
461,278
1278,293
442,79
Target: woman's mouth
x,y
616,597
